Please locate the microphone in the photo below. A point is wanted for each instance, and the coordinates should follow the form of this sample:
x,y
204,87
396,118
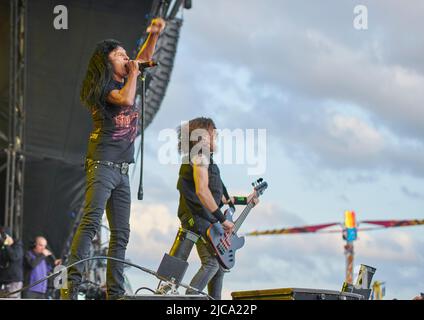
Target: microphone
x,y
147,64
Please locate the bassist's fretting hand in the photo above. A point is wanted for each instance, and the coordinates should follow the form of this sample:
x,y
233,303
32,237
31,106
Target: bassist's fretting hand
x,y
253,196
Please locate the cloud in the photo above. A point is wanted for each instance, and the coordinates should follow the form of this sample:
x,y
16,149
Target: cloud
x,y
153,228
269,214
356,135
412,194
399,247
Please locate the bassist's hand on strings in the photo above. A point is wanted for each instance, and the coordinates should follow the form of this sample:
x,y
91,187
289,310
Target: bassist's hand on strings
x,y
228,227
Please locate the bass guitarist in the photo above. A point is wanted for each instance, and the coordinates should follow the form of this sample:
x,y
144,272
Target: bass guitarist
x,y
201,197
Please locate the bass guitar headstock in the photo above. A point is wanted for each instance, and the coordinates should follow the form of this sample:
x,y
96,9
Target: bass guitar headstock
x,y
260,186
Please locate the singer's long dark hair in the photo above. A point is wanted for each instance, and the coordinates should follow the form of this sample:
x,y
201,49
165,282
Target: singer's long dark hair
x,y
99,75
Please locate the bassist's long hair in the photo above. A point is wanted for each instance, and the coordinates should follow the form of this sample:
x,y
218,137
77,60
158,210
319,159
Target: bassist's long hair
x,y
187,137
99,75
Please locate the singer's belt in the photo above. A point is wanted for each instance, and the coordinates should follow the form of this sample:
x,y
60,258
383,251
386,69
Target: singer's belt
x,y
123,167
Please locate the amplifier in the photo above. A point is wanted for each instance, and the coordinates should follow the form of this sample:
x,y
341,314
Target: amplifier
x,y
294,294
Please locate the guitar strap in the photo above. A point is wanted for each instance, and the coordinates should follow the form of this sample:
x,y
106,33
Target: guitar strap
x,y
227,197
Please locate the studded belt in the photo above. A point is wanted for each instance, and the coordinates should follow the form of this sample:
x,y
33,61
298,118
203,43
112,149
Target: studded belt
x,y
123,167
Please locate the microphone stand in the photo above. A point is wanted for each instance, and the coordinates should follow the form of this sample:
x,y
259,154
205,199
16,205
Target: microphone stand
x,y
142,113
143,67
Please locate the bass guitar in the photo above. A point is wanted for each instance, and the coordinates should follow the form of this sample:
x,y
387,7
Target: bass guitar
x,y
224,245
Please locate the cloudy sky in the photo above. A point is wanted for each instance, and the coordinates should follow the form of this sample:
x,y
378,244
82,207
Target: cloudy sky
x,y
344,119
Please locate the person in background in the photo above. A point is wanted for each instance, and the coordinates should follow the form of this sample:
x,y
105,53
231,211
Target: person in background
x,y
38,263
11,260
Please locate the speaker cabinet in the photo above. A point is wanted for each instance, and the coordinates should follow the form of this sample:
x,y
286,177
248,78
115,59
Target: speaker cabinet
x,y
294,294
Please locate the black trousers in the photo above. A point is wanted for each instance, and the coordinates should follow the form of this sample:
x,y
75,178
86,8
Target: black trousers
x,y
107,188
210,273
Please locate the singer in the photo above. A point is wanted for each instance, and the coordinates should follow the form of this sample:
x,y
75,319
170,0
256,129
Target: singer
x,y
108,91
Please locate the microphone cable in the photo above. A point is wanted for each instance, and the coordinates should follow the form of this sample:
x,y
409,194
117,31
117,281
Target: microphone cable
x,y
107,258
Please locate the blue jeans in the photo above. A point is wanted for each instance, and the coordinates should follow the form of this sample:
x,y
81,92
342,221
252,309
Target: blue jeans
x,y
210,273
107,188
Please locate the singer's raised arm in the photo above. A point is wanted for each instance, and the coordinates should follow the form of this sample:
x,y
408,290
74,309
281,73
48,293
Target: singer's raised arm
x,y
148,48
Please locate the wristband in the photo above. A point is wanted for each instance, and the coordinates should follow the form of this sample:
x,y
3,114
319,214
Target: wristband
x,y
219,215
240,200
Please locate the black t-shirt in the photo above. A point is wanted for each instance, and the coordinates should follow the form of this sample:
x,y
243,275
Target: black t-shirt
x,y
190,205
115,129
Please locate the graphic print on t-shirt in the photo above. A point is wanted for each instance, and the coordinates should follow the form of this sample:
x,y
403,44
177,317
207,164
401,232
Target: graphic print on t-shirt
x,y
126,126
